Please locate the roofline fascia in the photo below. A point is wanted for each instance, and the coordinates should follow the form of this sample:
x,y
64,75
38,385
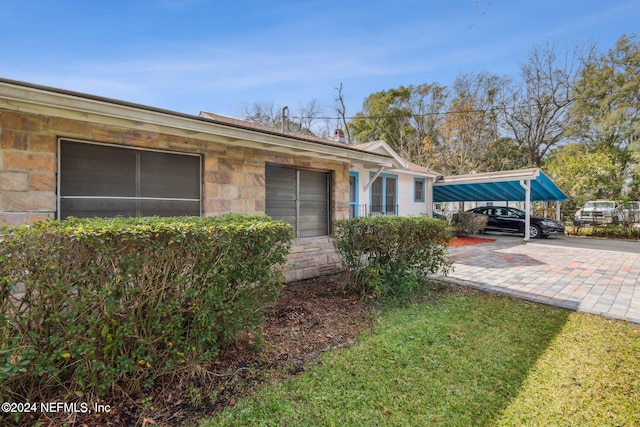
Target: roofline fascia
x,y
392,153
516,175
415,173
30,98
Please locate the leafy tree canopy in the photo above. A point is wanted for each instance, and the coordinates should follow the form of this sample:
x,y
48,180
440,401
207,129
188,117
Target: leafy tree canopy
x,y
607,107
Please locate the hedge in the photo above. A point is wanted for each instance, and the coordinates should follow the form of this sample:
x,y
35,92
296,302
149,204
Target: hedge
x,y
95,305
611,231
387,255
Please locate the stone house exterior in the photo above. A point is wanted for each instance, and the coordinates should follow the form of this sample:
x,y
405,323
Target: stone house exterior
x,y
65,153
405,188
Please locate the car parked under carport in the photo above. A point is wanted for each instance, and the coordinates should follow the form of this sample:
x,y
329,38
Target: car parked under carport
x,y
512,220
526,185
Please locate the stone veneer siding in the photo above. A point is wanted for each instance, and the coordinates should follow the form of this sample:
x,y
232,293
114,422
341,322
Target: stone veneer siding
x,y
233,176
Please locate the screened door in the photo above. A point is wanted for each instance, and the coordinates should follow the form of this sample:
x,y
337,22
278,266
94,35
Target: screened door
x,y
314,204
281,194
299,197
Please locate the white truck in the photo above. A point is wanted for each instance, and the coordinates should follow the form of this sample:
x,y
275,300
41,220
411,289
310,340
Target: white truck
x,y
627,213
596,212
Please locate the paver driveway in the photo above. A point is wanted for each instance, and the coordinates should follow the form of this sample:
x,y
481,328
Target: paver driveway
x,y
589,275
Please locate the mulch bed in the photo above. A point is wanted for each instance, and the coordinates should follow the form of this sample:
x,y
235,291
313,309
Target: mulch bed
x,y
310,317
464,241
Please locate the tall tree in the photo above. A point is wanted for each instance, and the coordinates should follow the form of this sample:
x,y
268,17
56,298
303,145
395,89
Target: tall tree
x,y
402,117
428,106
341,110
606,113
535,112
584,174
607,108
306,117
467,139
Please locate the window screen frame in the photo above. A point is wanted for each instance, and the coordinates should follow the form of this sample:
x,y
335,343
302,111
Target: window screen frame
x,y
298,199
419,196
60,214
387,190
353,204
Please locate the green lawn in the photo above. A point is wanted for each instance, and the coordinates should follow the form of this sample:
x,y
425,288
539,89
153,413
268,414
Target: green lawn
x,y
461,360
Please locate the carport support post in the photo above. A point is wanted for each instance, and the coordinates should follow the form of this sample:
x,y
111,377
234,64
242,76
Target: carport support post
x,y
526,184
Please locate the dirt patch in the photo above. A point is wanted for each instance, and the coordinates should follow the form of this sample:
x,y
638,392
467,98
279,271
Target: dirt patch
x,y
309,318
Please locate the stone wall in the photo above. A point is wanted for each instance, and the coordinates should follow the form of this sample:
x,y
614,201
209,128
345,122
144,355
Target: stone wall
x,y
312,257
28,169
233,176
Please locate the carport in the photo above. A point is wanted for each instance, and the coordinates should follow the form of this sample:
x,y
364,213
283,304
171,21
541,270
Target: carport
x,y
525,185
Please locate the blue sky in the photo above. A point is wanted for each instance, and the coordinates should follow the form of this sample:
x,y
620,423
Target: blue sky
x,y
192,55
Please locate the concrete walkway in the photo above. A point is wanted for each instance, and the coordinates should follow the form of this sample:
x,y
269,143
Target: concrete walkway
x,y
589,275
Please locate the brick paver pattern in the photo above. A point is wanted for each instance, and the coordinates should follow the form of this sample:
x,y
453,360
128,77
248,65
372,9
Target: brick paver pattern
x,y
592,281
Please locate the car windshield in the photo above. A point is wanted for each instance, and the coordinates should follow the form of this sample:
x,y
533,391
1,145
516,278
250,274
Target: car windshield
x,y
599,205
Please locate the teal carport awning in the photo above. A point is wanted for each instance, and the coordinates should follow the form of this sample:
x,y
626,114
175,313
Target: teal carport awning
x,y
503,186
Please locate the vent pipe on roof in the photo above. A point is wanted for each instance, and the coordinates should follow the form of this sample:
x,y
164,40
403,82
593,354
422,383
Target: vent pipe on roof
x,y
285,116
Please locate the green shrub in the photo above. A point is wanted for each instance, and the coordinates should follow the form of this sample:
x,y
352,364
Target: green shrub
x,y
611,231
391,255
95,305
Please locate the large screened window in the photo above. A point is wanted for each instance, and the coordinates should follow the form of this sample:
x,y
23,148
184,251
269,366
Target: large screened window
x,y
299,197
384,190
106,181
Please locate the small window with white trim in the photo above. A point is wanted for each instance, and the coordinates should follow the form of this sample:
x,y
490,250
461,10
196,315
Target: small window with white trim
x,y
106,181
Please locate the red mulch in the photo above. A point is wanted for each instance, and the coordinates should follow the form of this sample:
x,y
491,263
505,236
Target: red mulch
x,y
464,241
